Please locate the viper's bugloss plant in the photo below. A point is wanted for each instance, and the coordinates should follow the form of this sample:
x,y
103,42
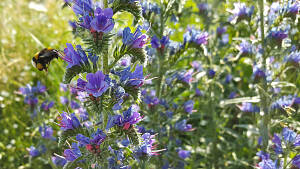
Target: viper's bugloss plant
x,y
191,84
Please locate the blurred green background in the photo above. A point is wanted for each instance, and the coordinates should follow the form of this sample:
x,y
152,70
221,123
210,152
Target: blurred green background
x,y
25,28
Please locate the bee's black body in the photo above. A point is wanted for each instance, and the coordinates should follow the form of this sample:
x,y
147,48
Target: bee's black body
x,y
42,59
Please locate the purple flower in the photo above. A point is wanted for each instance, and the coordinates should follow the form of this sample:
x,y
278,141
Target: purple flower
x,y
249,108
184,154
196,65
67,122
74,58
103,21
81,7
285,101
125,142
134,40
232,95
293,58
263,155
221,30
96,84
33,152
156,43
185,77
130,117
46,106
288,135
296,161
277,144
199,92
125,62
182,126
135,78
293,9
195,36
59,161
277,35
64,100
203,8
146,148
245,48
211,73
98,137
267,164
83,140
73,24
297,141
228,78
241,12
188,106
46,132
73,153
74,105
85,21
258,73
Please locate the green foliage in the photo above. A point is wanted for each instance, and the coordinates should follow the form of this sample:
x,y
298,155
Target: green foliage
x,y
125,5
71,73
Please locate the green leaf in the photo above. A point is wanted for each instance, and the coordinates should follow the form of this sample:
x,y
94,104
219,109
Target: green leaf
x,y
137,54
132,7
98,44
254,99
71,73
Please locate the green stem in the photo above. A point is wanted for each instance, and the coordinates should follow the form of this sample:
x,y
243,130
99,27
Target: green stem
x,y
264,103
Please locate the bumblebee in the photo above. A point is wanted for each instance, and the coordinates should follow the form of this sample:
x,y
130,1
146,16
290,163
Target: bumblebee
x,y
42,59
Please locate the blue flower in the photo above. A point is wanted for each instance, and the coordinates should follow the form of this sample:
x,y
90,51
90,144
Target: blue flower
x,y
103,21
74,105
146,148
98,137
134,40
67,122
221,30
185,77
267,164
156,43
288,135
46,132
130,117
241,12
73,153
296,161
85,21
293,58
59,161
73,24
277,144
188,106
46,106
285,101
195,36
82,7
184,154
293,9
211,73
64,100
258,73
249,108
33,152
263,155
96,84
135,78
203,8
245,48
182,126
74,58
277,35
